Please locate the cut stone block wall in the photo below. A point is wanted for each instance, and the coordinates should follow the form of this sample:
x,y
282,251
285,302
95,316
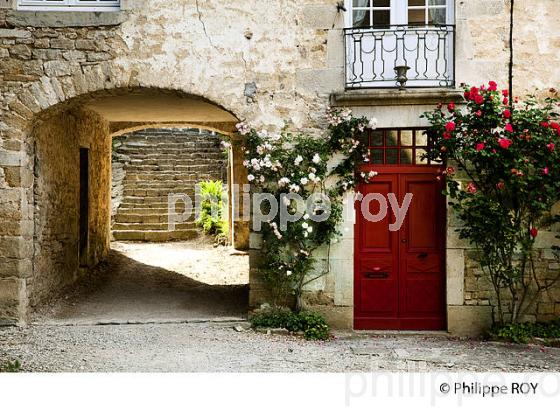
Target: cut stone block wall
x,y
58,140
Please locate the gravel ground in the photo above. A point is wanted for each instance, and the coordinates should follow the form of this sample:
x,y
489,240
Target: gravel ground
x,y
217,347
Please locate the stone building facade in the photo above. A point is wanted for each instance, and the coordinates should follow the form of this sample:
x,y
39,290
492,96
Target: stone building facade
x,y
73,79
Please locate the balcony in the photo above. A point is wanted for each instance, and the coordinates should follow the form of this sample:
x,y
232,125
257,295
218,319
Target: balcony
x,y
424,53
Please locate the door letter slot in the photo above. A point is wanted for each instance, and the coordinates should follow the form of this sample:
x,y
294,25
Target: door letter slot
x,y
376,275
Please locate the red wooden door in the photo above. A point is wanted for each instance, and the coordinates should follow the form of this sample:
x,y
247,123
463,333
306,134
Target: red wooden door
x,y
400,276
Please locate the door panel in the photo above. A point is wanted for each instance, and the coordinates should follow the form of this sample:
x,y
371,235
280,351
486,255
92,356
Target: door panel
x,y
376,285
400,276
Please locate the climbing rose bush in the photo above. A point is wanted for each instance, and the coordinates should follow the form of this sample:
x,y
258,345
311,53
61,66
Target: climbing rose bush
x,y
302,164
503,179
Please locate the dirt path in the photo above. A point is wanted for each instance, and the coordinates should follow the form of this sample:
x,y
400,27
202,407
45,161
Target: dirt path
x,y
157,283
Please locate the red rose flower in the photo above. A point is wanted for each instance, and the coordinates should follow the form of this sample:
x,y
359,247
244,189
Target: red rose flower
x,y
545,171
554,125
479,99
504,143
492,86
500,185
480,146
544,124
451,107
450,126
467,95
471,187
505,101
534,232
450,170
507,114
509,128
446,135
505,93
550,147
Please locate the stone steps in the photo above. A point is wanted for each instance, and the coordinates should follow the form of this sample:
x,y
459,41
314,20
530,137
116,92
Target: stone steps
x,y
155,236
155,226
152,164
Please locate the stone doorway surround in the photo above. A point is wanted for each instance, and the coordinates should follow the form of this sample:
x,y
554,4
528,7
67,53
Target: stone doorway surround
x,y
398,109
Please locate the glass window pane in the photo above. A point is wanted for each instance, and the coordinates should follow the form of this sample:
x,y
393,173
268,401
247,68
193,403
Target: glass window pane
x,y
437,16
421,138
364,138
377,138
392,138
392,156
377,157
406,156
361,18
437,2
416,16
381,3
381,17
416,3
420,154
406,138
360,3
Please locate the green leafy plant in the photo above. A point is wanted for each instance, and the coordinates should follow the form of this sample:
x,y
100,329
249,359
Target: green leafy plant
x,y
312,324
507,180
290,163
524,332
212,213
10,367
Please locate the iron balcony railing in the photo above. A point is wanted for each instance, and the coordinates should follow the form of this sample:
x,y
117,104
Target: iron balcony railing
x,y
373,53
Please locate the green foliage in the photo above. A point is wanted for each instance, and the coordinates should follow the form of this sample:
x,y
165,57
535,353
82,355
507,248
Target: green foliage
x,y
212,212
10,367
507,180
298,164
312,324
524,332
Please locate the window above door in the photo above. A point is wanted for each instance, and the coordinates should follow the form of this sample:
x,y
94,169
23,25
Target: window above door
x,y
69,5
416,35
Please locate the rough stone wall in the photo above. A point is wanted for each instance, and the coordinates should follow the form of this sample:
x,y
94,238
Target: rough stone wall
x,y
58,140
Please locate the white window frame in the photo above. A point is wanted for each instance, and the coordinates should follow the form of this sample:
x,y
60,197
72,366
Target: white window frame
x,y
399,11
69,5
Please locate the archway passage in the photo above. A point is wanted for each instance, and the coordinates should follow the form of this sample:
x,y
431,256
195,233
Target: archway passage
x,y
72,144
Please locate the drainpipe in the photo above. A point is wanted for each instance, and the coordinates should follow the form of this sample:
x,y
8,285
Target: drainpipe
x,y
510,74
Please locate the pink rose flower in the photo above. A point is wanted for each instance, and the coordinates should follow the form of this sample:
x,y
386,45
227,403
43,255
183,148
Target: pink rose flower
x,y
504,143
450,126
509,128
550,147
480,146
534,232
471,187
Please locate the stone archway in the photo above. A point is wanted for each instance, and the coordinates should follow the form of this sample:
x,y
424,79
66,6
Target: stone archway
x,y
40,239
